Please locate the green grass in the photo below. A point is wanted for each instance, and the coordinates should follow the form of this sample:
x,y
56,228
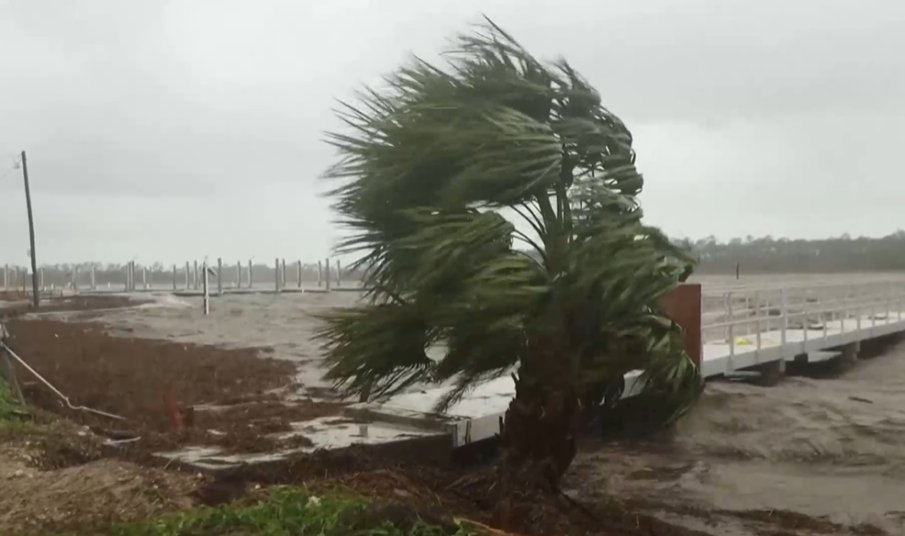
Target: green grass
x,y
290,511
10,409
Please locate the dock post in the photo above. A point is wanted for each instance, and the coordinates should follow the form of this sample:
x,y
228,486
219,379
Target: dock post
x,y
93,277
757,324
238,274
899,304
206,297
187,285
283,278
784,315
873,314
327,273
805,324
339,277
219,276
731,329
276,274
320,273
849,357
250,276
174,278
195,279
825,322
298,266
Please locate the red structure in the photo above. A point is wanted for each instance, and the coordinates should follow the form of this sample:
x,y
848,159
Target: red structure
x,y
683,306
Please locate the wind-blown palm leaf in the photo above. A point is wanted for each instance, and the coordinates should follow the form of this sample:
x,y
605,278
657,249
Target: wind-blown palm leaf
x,y
429,168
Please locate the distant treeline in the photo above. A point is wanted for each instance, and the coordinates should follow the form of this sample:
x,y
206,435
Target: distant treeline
x,y
784,255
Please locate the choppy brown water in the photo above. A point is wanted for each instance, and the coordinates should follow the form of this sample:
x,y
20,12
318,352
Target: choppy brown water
x,y
830,448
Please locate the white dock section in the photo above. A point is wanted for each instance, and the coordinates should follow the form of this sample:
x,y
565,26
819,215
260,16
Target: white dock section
x,y
741,330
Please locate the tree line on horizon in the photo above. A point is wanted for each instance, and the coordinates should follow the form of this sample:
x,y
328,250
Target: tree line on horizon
x,y
784,255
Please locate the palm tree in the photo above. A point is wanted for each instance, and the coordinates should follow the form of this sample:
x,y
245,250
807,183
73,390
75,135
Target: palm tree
x,y
493,204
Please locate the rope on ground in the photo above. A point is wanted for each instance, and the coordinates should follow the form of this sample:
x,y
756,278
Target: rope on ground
x,y
56,391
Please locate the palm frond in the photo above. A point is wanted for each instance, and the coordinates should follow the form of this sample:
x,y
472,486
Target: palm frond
x,y
425,171
376,350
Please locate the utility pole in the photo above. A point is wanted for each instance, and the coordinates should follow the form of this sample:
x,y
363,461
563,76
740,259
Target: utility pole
x,y
31,236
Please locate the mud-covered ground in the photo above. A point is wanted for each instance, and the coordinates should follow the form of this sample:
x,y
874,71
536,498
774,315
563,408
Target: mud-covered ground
x,y
169,393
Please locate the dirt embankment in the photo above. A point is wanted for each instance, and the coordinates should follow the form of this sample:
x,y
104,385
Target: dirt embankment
x,y
54,477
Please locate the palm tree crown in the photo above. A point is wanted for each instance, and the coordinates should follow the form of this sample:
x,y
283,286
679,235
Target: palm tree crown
x,y
494,208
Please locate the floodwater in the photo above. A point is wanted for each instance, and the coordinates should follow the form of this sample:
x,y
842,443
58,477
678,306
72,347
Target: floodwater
x,y
833,448
283,325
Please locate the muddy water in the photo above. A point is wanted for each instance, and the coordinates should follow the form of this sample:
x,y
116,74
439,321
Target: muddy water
x,y
282,325
829,448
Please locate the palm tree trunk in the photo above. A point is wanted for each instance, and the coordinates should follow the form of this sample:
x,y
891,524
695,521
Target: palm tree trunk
x,y
538,442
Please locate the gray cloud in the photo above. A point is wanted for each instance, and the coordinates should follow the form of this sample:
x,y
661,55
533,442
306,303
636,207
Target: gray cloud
x,y
180,129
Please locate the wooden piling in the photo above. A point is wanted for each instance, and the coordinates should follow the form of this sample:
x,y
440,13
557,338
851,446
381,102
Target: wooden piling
x,y
219,276
187,285
276,274
320,274
327,273
206,299
298,266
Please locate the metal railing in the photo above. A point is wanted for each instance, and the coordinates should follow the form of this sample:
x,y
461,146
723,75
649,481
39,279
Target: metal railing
x,y
830,309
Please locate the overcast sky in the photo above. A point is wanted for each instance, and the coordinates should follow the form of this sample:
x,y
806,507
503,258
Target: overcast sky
x,y
173,130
